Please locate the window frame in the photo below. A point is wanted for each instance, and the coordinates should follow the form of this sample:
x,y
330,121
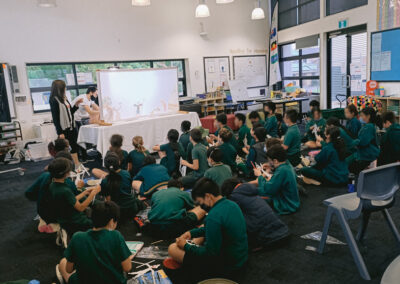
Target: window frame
x,y
300,59
327,7
77,86
297,8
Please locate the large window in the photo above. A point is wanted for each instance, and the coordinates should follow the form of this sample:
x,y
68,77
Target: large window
x,y
297,12
300,67
337,6
81,75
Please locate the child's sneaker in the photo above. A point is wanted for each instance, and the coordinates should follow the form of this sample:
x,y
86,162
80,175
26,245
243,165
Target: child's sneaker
x,y
62,238
171,264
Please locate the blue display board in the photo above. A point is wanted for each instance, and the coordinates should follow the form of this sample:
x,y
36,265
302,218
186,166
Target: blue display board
x,y
385,56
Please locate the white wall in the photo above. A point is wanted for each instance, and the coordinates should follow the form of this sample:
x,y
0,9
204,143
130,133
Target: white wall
x,y
97,30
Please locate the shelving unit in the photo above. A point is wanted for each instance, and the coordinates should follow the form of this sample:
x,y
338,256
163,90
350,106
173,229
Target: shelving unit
x,y
213,103
391,104
10,132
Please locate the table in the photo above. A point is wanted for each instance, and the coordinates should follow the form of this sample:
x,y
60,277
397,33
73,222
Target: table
x,y
283,102
153,130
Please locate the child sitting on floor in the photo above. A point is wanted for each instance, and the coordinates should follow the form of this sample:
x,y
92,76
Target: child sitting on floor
x,y
258,151
344,134
353,125
244,132
282,127
312,104
117,187
271,123
173,212
315,127
229,151
171,153
280,189
292,140
221,121
136,157
254,117
184,139
218,172
331,167
58,145
390,143
150,178
99,255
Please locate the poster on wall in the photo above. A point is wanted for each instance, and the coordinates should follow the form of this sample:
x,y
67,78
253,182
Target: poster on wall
x,y
252,69
274,69
216,73
388,14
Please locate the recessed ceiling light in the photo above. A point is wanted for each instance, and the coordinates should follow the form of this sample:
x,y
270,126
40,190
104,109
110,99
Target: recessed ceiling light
x,y
141,2
224,1
47,3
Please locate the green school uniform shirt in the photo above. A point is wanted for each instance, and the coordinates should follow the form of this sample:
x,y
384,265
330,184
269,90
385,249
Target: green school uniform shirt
x,y
271,125
169,161
333,169
293,140
281,189
184,140
219,173
136,159
225,235
153,176
168,205
97,256
321,123
64,202
390,145
353,125
244,133
367,143
124,163
190,148
199,153
229,157
233,140
348,141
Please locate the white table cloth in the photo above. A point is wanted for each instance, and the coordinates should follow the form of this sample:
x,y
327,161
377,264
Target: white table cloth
x,y
153,130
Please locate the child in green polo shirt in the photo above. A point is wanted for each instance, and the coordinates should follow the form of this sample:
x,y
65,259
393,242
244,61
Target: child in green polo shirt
x,y
199,157
390,143
292,140
184,139
271,123
353,125
229,151
218,171
69,211
282,127
330,167
117,187
99,255
281,188
219,249
171,153
136,157
254,117
344,134
150,178
220,121
315,125
367,143
244,132
173,212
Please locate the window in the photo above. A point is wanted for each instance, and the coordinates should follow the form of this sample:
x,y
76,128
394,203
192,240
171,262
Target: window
x,y
300,67
337,6
297,12
79,76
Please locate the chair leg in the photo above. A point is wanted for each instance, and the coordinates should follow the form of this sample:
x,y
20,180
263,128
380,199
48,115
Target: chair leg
x,y
353,246
391,224
327,224
363,226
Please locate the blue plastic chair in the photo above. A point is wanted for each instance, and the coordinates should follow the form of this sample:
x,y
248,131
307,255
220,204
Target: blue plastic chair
x,y
375,192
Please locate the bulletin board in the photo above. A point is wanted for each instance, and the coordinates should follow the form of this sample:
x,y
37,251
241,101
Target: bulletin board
x,y
385,56
216,73
252,69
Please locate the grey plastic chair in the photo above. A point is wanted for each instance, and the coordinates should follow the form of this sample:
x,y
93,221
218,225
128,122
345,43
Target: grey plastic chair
x,y
375,192
392,272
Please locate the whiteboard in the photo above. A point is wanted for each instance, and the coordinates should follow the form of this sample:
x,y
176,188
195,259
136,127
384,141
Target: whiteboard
x,y
251,69
216,73
128,94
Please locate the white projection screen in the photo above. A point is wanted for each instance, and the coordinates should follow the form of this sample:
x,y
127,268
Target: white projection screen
x,y
128,94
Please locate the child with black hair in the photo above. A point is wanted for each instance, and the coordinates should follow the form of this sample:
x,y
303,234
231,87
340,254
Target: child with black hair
x,y
255,117
315,125
99,255
171,153
271,123
367,143
184,139
173,212
313,104
199,158
292,140
281,188
218,171
229,157
117,187
264,227
331,167
220,121
136,157
58,145
282,127
353,125
150,178
344,134
69,211
390,142
219,249
258,151
244,132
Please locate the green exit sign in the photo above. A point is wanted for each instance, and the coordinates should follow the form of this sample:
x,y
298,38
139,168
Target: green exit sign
x,y
343,24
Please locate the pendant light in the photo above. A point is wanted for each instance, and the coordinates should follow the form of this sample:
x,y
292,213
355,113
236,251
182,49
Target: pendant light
x,y
224,1
258,12
202,10
47,3
141,3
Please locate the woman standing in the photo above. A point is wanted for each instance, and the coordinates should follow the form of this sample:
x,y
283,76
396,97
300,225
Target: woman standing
x,y
63,116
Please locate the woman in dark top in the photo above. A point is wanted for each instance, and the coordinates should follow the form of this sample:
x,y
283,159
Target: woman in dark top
x,y
63,116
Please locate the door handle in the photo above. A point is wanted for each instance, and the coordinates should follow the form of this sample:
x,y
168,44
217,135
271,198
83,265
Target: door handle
x,y
348,81
344,83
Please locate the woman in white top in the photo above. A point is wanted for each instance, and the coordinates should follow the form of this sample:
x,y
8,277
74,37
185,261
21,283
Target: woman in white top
x,y
88,112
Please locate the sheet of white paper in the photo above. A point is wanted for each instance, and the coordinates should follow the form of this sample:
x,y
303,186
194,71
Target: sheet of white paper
x,y
70,79
376,62
386,61
376,43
